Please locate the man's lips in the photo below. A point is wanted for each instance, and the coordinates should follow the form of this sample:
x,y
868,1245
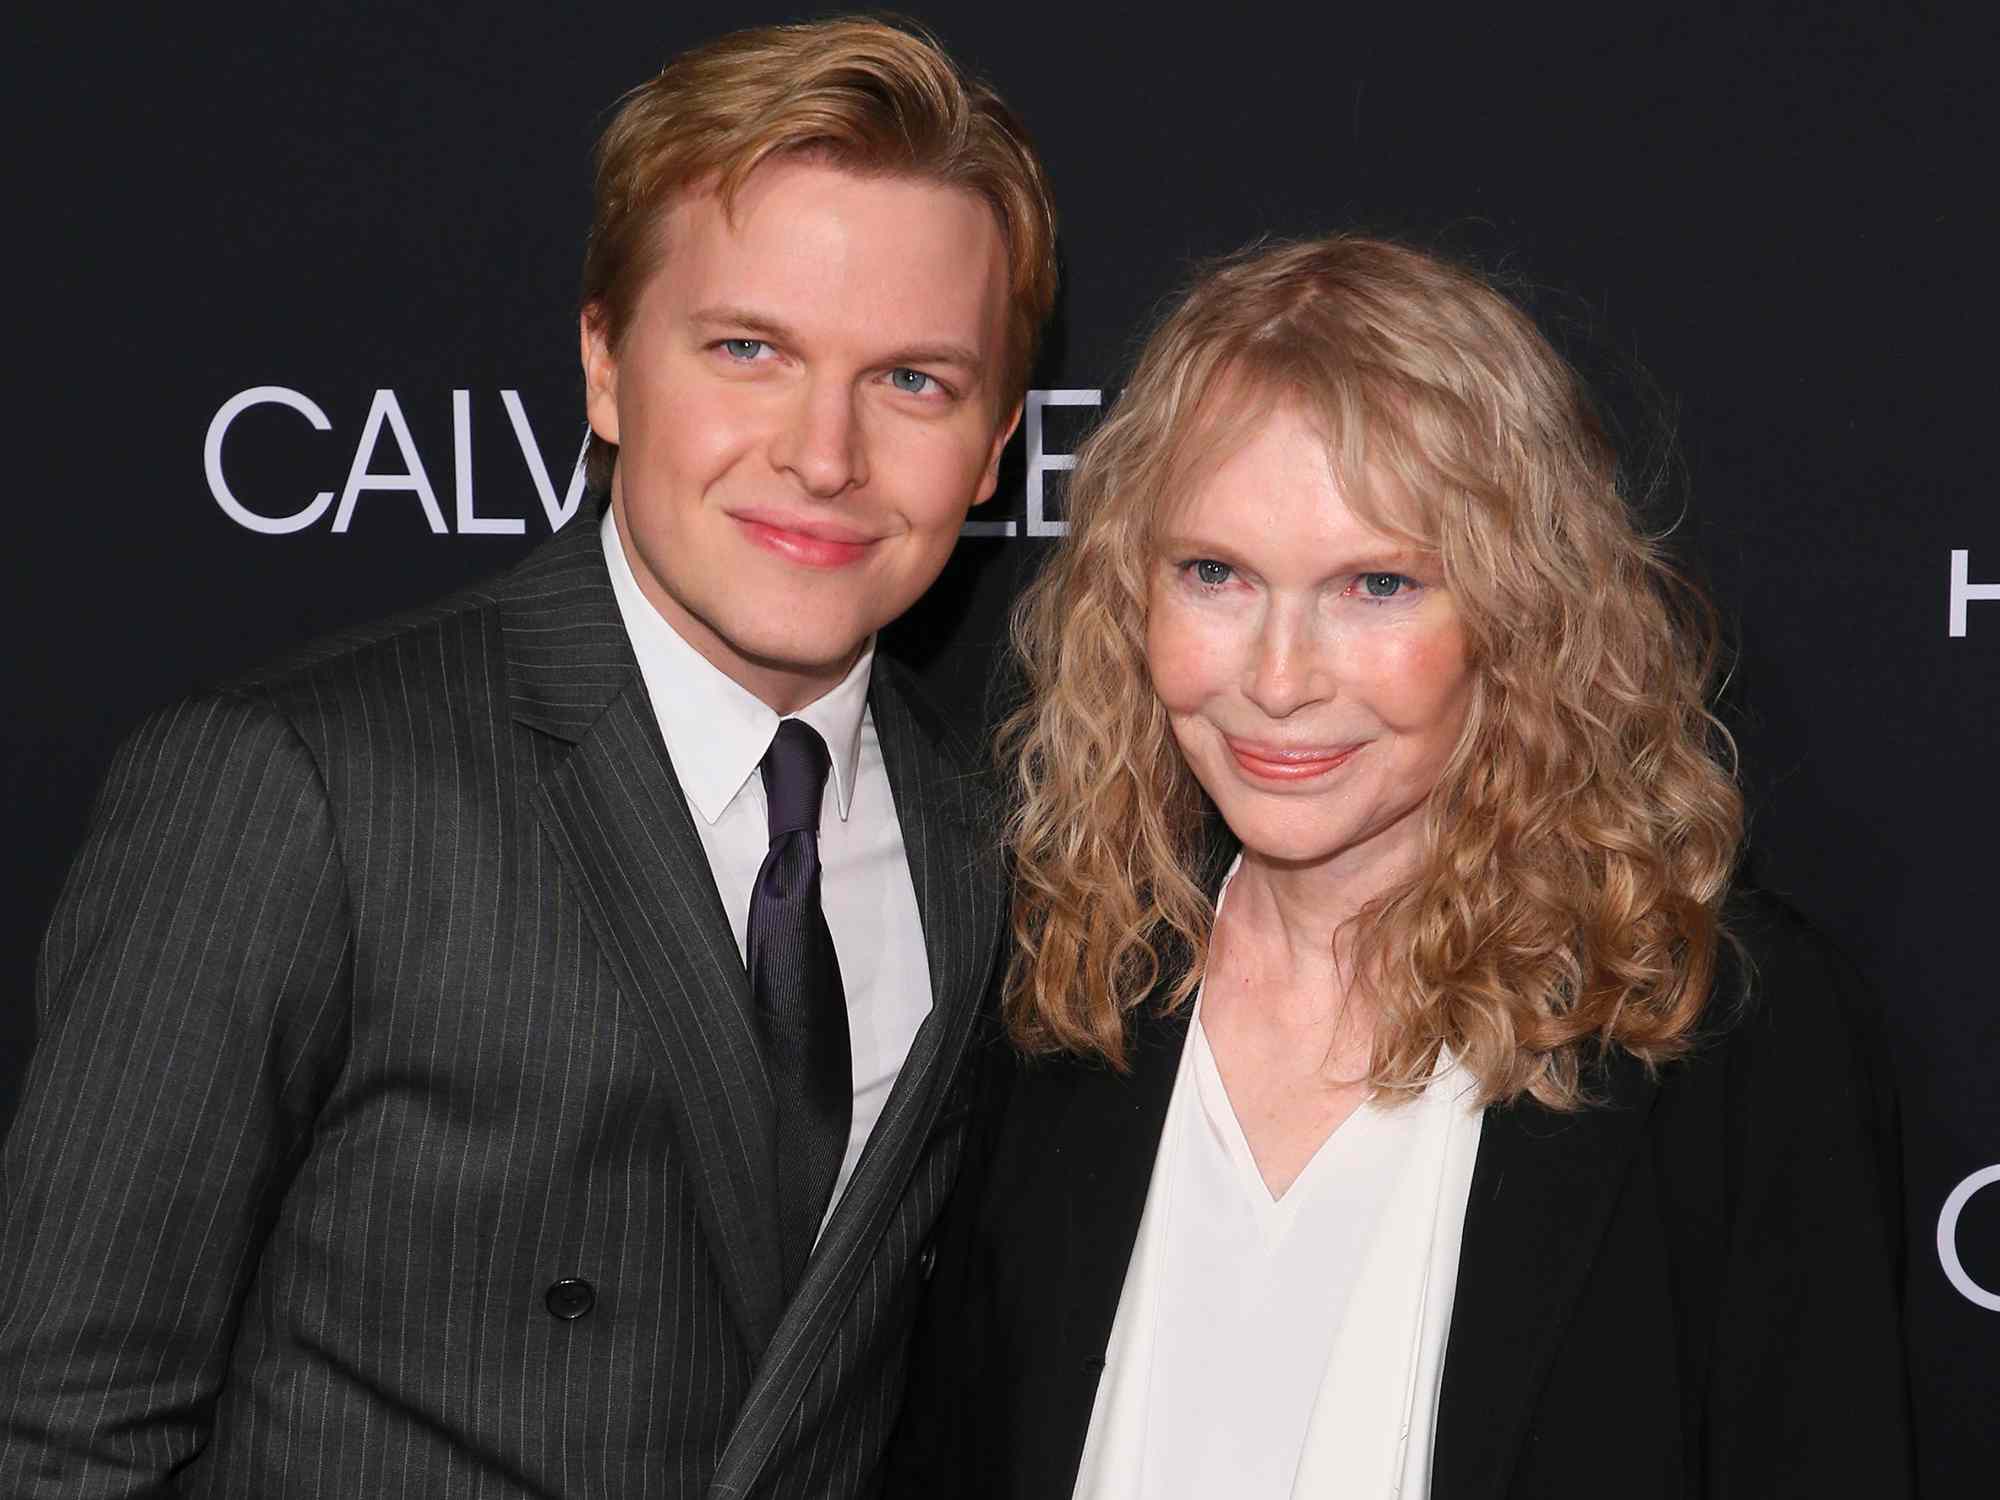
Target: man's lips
x,y
812,543
1270,762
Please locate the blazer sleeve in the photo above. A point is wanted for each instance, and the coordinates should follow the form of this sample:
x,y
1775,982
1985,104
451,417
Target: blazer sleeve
x,y
191,1010
1807,1393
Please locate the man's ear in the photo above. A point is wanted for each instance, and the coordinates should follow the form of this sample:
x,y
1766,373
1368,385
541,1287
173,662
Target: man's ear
x,y
600,374
990,480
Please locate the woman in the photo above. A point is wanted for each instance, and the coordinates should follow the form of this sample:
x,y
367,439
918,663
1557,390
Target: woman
x,y
1408,1106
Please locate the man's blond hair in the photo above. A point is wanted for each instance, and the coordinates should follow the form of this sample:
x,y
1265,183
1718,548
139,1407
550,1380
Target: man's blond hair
x,y
863,94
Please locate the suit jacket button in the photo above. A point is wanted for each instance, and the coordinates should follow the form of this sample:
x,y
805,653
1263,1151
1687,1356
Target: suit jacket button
x,y
570,1298
927,1262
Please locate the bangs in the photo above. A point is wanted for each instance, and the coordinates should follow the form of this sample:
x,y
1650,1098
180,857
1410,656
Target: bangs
x,y
1367,453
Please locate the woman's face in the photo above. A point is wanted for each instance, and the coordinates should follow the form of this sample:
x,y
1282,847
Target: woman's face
x,y
1313,667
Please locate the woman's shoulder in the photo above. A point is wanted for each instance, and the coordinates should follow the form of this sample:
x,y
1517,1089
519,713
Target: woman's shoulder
x,y
1791,1072
1776,1151
1787,999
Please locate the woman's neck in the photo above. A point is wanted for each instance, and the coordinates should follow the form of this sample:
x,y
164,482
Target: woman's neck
x,y
1291,1033
1305,911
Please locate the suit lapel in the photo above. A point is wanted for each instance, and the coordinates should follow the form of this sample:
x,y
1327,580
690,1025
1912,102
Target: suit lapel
x,y
620,827
951,847
957,875
1543,1188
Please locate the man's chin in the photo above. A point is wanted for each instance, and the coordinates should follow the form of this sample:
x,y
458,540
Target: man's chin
x,y
788,670
800,658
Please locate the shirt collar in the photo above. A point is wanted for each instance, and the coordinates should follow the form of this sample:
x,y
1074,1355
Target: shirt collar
x,y
716,729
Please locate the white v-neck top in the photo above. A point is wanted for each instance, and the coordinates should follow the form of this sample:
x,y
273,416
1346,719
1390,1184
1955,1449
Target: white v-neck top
x,y
1269,1349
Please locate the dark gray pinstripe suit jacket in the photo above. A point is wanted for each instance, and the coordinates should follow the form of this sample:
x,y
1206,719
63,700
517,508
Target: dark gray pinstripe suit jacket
x,y
387,991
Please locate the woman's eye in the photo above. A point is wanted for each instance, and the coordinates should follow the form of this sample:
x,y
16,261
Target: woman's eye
x,y
1383,585
915,382
744,349
1210,573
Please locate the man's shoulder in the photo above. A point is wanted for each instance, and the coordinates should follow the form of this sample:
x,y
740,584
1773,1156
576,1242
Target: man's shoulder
x,y
898,691
904,708
368,647
456,648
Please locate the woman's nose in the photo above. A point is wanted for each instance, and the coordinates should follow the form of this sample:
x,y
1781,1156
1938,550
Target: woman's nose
x,y
1290,666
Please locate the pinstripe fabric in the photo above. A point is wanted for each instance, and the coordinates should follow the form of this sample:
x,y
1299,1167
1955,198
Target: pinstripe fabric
x,y
388,990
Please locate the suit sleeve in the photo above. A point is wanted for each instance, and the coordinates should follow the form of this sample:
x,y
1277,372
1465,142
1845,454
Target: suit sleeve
x,y
1808,1394
191,1010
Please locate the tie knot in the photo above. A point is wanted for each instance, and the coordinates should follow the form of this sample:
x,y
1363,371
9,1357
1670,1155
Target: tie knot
x,y
794,771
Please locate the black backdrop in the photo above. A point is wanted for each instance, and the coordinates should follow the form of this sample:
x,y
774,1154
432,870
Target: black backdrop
x,y
1777,217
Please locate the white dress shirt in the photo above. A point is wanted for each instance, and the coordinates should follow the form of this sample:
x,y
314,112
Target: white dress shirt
x,y
1266,1349
716,733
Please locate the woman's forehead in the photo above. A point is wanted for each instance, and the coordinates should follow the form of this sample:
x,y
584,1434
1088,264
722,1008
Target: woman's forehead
x,y
1236,413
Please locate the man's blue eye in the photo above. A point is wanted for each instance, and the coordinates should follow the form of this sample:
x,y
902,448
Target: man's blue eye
x,y
916,382
1208,571
1382,585
742,348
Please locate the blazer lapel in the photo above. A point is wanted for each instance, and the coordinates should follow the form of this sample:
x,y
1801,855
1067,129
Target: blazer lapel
x,y
1543,1188
959,882
620,827
1099,1164
1092,1172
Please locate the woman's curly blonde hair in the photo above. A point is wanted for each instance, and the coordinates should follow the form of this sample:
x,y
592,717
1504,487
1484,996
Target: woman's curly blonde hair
x,y
1580,841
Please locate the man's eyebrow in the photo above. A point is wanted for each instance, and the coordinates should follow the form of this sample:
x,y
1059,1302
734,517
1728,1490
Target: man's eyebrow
x,y
748,320
745,319
957,355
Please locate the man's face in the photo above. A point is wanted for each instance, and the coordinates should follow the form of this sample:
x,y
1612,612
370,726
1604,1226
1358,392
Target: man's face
x,y
805,405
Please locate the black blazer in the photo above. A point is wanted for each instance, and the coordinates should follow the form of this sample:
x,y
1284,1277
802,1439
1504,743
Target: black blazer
x,y
397,1124
1689,1290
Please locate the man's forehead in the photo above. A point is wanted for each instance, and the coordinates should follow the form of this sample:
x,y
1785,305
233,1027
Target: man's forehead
x,y
824,170
808,241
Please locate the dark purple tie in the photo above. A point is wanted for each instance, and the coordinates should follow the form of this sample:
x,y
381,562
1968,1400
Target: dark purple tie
x,y
795,986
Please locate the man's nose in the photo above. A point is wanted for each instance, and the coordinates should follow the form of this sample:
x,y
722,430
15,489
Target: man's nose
x,y
821,441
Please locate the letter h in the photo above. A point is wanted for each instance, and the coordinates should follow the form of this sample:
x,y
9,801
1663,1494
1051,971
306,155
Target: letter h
x,y
1963,592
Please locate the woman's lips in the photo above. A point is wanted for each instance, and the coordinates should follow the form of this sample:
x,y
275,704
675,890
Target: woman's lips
x,y
813,544
1286,762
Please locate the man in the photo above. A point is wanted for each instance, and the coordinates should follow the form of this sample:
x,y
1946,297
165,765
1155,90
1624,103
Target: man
x,y
516,1051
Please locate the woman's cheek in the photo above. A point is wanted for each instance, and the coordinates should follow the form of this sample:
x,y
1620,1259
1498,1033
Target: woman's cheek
x,y
1426,674
1184,659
